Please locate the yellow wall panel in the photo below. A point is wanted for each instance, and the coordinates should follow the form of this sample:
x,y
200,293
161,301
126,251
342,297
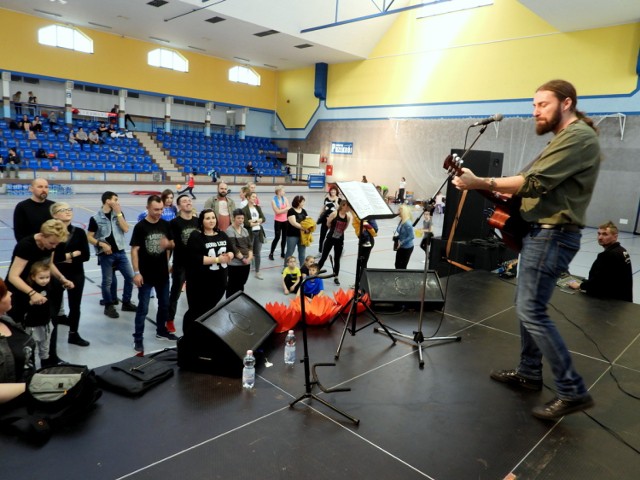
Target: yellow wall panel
x,y
296,101
122,62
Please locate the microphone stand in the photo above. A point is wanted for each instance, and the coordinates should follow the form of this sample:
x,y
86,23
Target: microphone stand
x,y
418,337
310,375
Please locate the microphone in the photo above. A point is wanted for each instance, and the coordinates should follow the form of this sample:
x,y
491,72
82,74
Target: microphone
x,y
495,118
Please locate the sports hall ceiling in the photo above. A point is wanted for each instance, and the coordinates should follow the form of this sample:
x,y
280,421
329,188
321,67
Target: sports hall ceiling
x,y
231,30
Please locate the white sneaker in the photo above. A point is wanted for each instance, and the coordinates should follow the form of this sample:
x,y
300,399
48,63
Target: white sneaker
x,y
259,276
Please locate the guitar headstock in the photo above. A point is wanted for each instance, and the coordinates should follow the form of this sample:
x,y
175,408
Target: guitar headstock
x,y
453,164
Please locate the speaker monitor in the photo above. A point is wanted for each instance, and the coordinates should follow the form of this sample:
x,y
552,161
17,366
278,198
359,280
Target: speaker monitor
x,y
402,287
472,222
218,340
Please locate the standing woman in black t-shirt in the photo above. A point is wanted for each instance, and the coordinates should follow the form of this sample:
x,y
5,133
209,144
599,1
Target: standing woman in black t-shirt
x,y
73,253
338,222
296,215
208,256
331,202
31,249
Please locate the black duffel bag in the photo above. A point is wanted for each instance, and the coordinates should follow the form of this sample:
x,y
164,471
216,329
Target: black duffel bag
x,y
136,375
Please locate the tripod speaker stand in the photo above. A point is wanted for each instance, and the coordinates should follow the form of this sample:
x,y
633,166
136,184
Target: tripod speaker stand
x,y
310,375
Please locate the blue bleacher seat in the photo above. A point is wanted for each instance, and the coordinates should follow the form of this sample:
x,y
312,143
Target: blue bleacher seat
x,y
67,165
33,164
89,165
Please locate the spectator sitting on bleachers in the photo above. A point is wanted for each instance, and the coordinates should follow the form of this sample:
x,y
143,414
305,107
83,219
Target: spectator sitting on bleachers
x,y
36,126
81,137
112,130
103,130
53,121
24,123
94,138
13,163
72,137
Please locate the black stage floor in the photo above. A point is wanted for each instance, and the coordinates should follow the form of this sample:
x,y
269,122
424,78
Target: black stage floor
x,y
448,421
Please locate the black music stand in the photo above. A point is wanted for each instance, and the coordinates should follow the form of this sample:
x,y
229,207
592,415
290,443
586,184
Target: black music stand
x,y
310,372
367,204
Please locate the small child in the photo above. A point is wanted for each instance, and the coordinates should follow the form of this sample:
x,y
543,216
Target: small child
x,y
314,286
191,183
291,276
37,321
308,261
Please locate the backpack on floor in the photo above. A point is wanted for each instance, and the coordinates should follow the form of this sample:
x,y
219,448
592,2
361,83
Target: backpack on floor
x,y
55,397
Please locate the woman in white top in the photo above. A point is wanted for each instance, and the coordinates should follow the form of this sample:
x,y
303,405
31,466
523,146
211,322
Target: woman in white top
x,y
402,189
253,220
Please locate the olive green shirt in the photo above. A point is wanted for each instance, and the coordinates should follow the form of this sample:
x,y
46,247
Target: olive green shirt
x,y
559,184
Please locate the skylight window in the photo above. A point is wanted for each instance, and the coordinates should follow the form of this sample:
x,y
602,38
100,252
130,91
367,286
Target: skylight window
x,y
65,37
246,75
165,58
440,7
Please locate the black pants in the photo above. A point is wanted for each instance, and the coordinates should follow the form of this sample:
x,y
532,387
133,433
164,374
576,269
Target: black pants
x,y
338,245
178,275
74,296
238,276
402,257
323,232
279,228
202,297
189,190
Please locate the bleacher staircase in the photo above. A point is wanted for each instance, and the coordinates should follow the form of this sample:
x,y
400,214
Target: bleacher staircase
x,y
158,155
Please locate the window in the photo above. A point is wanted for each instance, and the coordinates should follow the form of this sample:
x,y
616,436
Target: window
x,y
244,75
65,37
441,7
165,58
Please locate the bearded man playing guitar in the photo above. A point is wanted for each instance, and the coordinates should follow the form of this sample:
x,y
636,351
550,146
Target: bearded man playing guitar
x,y
555,190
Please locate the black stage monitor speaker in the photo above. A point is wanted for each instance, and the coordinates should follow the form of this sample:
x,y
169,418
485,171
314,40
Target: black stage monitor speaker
x,y
218,341
473,218
402,287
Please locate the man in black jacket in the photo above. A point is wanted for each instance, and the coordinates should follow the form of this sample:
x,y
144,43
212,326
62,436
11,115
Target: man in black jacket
x,y
610,275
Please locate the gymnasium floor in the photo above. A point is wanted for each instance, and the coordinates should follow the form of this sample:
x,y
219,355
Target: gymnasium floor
x,y
446,421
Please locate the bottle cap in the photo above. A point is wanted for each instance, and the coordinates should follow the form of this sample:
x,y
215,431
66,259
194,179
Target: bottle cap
x,y
249,352
290,332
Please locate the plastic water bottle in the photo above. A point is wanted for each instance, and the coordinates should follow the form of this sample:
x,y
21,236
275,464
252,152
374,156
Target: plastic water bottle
x,y
290,348
249,371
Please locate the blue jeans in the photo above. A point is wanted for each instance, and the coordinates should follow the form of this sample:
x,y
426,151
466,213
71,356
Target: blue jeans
x,y
144,294
292,242
545,255
120,262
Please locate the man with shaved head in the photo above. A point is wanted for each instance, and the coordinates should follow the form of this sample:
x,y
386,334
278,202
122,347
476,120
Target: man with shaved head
x,y
31,213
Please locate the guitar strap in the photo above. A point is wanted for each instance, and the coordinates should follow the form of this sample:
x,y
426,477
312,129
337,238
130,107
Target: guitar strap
x,y
452,233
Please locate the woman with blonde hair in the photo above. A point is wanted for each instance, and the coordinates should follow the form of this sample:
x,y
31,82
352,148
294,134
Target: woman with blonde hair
x,y
39,247
404,237
73,253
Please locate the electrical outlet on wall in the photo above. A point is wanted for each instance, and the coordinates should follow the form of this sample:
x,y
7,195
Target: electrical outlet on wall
x,y
624,221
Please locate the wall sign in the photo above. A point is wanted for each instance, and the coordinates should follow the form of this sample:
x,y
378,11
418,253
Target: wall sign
x,y
341,148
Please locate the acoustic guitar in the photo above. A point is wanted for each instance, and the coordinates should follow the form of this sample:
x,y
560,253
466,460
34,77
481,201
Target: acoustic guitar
x,y
505,215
